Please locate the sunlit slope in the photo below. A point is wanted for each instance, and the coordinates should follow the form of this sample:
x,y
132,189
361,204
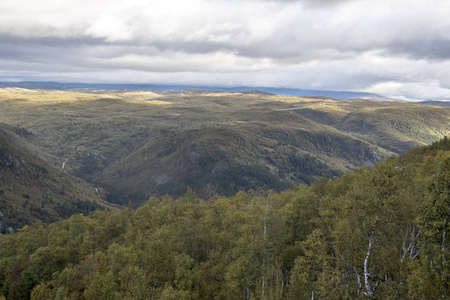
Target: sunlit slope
x,y
393,126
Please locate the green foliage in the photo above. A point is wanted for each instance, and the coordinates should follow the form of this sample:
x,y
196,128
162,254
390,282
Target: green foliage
x,y
31,190
377,233
90,164
431,278
307,167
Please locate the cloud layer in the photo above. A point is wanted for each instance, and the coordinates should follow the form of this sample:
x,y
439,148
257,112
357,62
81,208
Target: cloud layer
x,y
397,48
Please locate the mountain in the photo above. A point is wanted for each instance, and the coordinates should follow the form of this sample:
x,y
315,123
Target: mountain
x,y
137,144
92,87
32,190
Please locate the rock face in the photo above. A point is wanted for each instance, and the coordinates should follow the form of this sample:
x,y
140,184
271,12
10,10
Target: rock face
x,y
192,153
12,162
368,163
162,179
4,229
194,158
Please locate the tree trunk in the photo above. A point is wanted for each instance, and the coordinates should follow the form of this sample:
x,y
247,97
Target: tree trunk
x,y
369,291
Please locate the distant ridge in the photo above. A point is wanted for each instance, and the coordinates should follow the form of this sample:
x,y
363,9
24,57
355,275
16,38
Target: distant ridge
x,y
92,87
436,102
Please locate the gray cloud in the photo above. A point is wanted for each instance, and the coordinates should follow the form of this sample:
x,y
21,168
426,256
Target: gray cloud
x,y
433,48
310,2
362,45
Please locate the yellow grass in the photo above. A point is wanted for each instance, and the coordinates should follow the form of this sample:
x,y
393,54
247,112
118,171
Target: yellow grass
x,y
158,102
45,96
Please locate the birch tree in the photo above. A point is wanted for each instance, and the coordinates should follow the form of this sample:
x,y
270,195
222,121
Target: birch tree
x,y
369,231
431,278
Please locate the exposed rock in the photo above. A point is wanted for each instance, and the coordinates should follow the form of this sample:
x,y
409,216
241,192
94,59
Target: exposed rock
x,y
13,163
4,229
194,157
192,153
162,179
368,163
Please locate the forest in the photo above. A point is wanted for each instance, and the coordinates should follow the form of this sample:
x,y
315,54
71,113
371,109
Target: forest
x,y
135,144
375,233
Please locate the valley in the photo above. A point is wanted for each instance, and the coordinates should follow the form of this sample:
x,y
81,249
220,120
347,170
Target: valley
x,y
258,150
199,195
32,191
389,221
137,144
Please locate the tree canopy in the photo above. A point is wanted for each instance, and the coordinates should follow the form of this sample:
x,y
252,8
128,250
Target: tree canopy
x,y
376,233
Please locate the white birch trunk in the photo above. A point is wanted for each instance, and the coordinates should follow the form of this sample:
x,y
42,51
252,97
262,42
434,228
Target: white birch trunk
x,y
410,243
369,291
264,252
359,281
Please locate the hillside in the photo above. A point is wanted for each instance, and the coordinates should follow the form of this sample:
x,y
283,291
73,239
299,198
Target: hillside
x,y
342,95
32,190
140,143
375,233
227,160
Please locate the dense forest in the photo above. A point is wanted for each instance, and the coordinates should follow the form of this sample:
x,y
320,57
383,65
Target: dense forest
x,y
376,233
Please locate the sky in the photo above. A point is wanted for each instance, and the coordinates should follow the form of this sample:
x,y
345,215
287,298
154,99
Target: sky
x,y
396,48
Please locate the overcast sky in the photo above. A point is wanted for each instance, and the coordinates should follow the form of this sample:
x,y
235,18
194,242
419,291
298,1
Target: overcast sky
x,y
397,48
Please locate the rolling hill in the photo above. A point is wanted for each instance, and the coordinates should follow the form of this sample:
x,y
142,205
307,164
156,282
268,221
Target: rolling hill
x,y
342,95
136,144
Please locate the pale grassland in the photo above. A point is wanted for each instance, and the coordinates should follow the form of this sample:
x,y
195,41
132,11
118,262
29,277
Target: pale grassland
x,y
38,96
158,102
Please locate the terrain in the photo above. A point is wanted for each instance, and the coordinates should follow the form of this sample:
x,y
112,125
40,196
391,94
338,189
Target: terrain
x,y
31,190
276,197
137,144
343,95
374,233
